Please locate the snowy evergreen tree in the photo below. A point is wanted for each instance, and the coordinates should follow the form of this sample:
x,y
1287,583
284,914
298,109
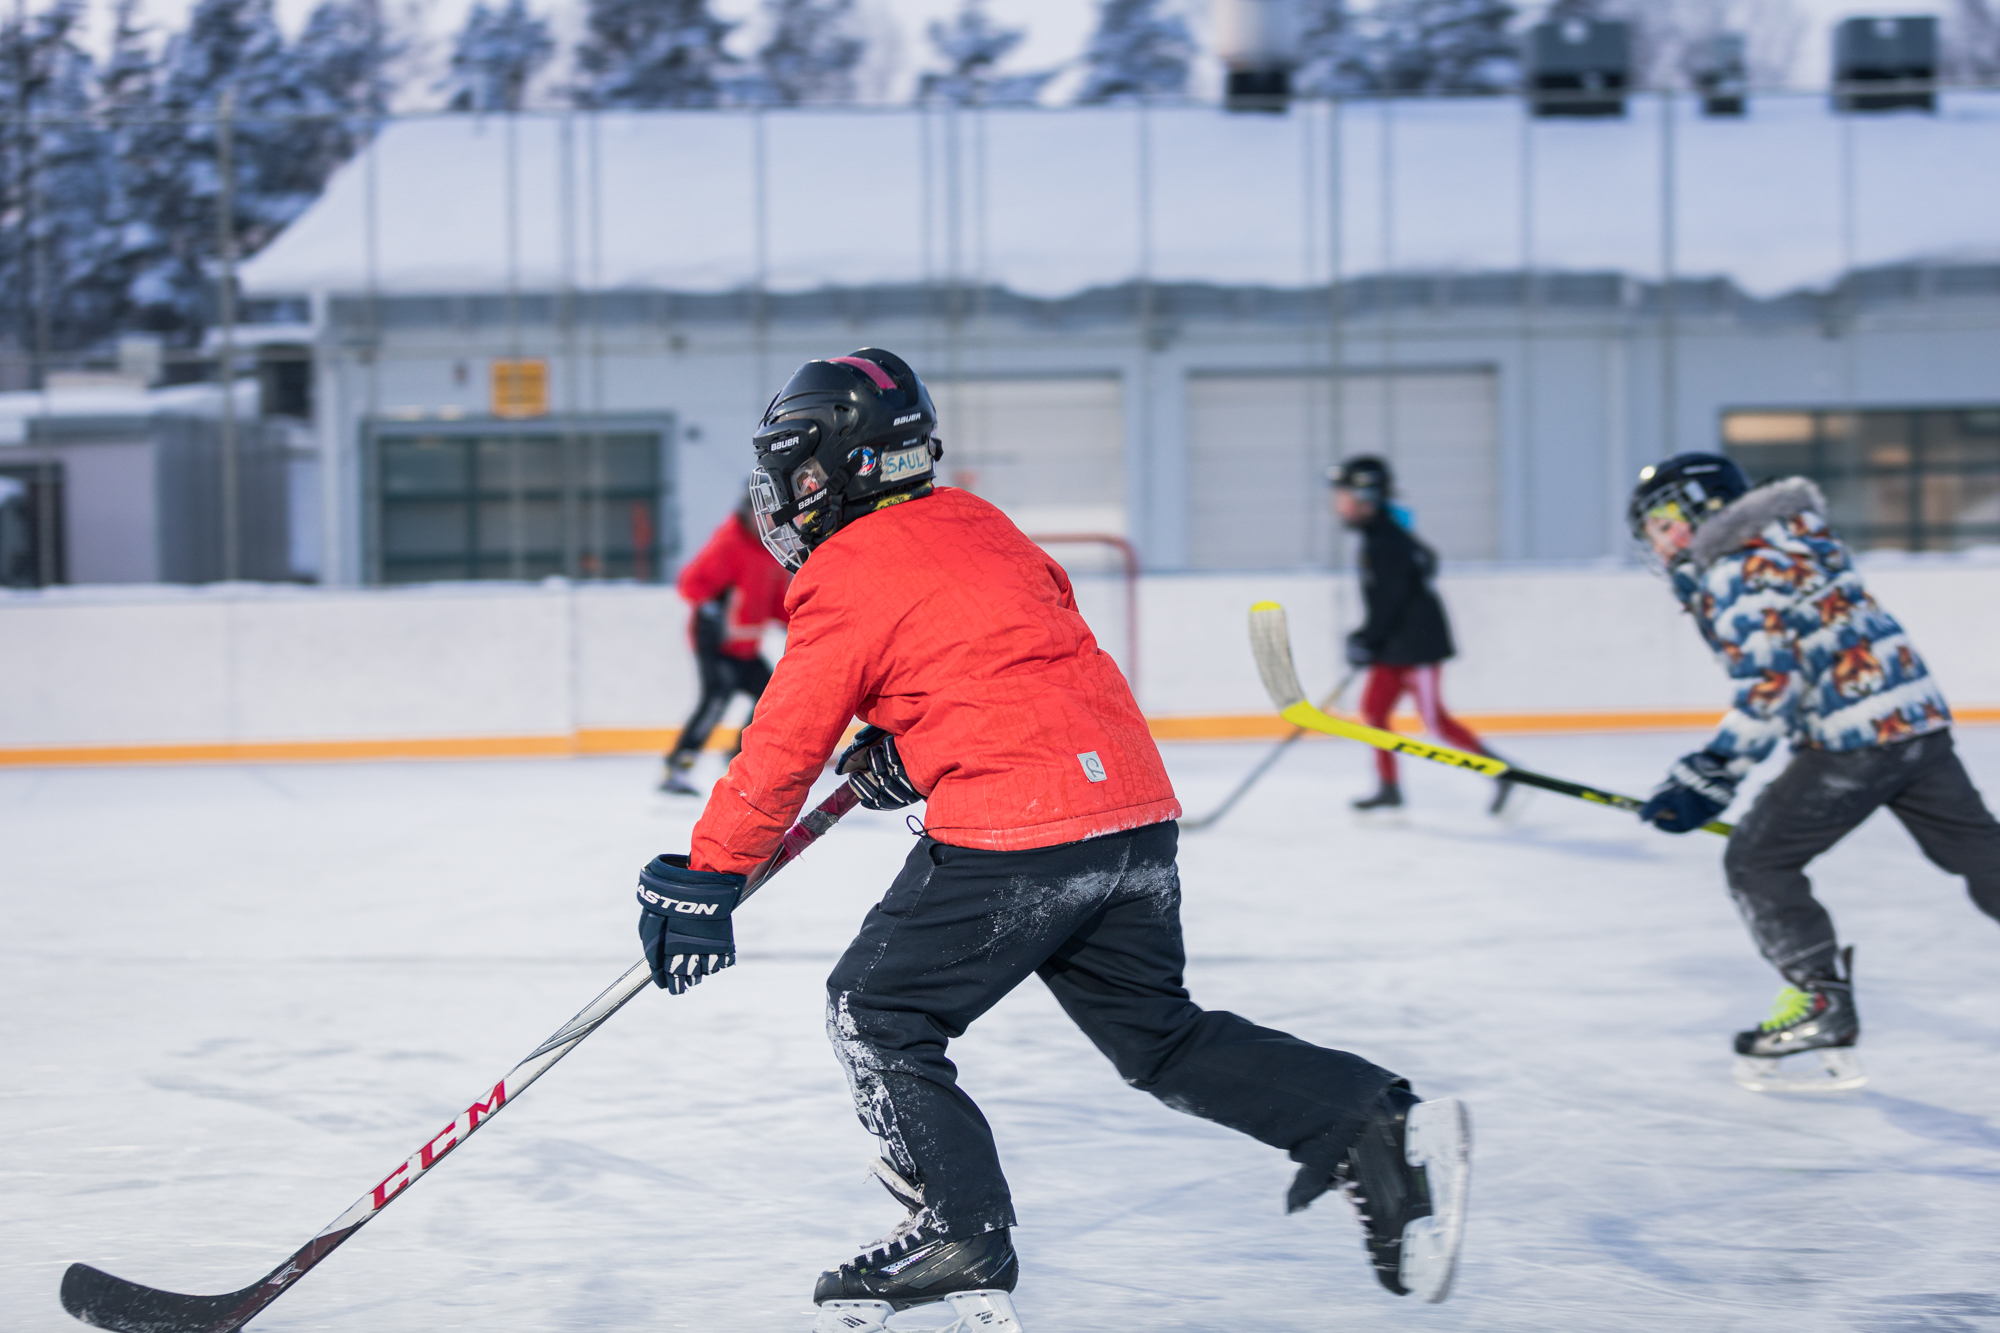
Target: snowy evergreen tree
x,y
494,57
1136,52
58,242
125,86
229,47
652,53
1972,41
973,44
340,58
1333,57
1431,46
811,54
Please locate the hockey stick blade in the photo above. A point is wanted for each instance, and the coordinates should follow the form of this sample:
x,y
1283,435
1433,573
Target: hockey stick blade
x,y
1271,641
103,1301
1264,765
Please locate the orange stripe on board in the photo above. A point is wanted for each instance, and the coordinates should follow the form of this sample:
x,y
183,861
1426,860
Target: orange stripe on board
x,y
657,740
1263,726
596,741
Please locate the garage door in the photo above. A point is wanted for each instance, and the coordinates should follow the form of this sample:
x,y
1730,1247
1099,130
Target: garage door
x,y
1050,452
1259,447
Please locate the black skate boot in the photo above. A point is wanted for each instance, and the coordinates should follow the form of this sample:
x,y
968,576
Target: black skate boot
x,y
676,781
1406,1174
917,1264
1388,797
1818,1016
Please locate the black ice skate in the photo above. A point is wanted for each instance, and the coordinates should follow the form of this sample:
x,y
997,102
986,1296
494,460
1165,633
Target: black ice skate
x,y
1818,1018
1407,1175
1387,797
917,1264
676,781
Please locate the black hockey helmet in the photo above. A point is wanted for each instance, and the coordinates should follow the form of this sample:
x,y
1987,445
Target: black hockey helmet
x,y
843,437
1689,487
1367,476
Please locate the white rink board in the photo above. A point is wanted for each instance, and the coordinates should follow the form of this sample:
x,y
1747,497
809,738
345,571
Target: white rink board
x,y
238,996
109,666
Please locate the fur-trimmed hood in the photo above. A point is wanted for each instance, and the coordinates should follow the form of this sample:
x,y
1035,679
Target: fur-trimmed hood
x,y
1732,528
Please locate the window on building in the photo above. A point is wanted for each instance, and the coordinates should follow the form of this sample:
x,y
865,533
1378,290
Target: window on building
x,y
486,503
1925,479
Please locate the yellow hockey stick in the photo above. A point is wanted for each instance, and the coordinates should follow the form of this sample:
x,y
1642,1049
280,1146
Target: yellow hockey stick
x,y
1271,641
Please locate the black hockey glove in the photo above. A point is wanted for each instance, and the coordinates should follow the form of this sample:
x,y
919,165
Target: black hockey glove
x,y
1359,654
1698,788
684,921
877,771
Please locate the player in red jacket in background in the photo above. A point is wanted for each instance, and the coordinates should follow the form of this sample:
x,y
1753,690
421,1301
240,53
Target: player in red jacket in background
x,y
1048,849
737,589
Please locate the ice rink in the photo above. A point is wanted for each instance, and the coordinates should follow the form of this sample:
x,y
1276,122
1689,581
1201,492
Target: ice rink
x,y
235,998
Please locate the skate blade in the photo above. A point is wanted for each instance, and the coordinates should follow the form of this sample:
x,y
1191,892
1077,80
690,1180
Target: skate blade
x,y
984,1311
853,1317
1391,818
1839,1070
1439,1139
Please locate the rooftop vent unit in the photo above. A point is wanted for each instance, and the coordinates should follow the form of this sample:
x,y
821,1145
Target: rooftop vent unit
x,y
1579,67
1720,72
1258,41
1900,52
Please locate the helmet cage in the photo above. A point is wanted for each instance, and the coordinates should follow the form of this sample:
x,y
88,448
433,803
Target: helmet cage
x,y
1689,489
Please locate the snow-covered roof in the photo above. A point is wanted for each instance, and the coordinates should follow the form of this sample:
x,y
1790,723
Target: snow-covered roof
x,y
116,402
1049,202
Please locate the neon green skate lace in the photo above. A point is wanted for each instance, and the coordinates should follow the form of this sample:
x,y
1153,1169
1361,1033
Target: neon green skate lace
x,y
1791,1005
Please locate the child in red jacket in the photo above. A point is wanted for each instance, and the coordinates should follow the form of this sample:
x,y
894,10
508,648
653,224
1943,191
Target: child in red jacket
x,y
737,589
1048,850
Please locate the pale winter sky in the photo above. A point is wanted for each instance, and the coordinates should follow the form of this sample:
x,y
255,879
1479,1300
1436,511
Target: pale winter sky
x,y
1057,31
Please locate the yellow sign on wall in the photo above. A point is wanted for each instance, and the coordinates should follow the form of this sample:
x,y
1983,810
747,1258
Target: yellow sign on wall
x,y
521,388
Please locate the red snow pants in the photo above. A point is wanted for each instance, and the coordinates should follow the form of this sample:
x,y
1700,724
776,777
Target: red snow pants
x,y
1387,684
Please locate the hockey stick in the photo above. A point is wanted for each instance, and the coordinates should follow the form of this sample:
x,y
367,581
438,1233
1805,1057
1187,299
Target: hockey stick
x,y
1264,766
99,1299
1272,643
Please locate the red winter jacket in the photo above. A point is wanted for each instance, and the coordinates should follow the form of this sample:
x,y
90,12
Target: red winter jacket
x,y
937,621
735,562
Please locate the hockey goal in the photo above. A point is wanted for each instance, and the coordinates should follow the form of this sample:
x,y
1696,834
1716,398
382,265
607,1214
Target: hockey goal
x,y
1104,569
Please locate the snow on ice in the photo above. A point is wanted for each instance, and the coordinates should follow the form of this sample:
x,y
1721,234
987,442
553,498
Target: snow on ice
x,y
238,996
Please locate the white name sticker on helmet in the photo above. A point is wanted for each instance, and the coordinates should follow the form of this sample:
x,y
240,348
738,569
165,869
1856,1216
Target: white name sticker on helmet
x,y
1093,767
904,464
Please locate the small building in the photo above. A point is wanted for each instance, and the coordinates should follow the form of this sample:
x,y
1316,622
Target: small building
x,y
539,343
104,480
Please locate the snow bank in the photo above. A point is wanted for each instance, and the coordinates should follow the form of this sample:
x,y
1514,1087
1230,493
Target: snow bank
x,y
1049,203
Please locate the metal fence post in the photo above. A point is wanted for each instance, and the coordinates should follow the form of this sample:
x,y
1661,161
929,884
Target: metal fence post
x,y
225,222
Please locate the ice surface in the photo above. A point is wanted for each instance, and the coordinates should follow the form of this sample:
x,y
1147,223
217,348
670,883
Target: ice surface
x,y
235,998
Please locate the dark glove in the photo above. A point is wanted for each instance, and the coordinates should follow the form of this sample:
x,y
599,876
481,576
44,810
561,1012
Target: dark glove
x,y
877,771
684,921
1698,788
1359,654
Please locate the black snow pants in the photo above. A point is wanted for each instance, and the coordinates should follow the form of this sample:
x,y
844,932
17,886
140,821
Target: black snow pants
x,y
722,679
1822,796
1099,922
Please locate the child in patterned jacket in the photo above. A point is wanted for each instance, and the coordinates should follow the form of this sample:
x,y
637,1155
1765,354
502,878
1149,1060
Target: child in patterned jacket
x,y
1819,662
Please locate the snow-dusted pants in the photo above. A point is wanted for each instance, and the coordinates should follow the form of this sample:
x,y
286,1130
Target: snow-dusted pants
x,y
1099,922
1821,797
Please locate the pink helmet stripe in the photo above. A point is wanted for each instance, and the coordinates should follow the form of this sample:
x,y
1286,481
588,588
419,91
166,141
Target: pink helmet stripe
x,y
866,367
